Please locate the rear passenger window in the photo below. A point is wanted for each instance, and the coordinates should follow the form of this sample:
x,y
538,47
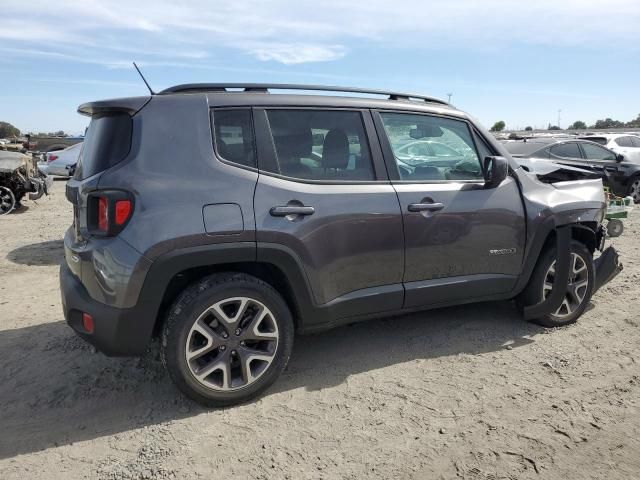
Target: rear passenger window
x,y
321,145
429,148
233,132
624,142
566,150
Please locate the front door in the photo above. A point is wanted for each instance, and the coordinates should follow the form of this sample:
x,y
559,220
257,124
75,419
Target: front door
x,y
323,194
462,241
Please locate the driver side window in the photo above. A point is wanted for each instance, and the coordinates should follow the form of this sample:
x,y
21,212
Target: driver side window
x,y
429,148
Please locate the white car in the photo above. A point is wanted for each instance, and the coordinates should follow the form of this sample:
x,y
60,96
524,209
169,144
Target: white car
x,y
59,162
625,143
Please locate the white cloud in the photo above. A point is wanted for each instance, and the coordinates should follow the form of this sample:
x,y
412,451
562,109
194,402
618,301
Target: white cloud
x,y
290,54
300,31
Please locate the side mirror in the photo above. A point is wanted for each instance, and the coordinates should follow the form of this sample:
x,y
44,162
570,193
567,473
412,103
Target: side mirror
x,y
619,157
495,170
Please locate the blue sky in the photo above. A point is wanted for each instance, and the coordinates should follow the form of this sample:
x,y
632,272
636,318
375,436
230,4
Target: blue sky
x,y
502,60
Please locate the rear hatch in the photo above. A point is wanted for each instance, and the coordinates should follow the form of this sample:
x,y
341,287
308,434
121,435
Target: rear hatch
x,y
107,142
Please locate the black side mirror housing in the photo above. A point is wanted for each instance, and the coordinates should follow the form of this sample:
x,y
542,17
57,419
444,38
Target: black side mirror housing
x,y
619,157
495,171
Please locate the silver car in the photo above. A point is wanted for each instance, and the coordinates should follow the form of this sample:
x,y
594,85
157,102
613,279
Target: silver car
x,y
59,162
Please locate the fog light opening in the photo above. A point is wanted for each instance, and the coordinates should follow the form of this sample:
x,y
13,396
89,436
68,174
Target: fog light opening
x,y
87,322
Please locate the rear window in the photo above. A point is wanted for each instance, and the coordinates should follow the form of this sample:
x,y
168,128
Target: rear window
x,y
522,148
600,140
106,142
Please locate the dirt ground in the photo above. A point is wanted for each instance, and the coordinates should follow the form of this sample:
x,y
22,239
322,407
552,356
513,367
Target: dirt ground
x,y
469,392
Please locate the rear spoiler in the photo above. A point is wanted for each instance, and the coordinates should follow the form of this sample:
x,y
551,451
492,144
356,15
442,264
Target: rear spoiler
x,y
130,106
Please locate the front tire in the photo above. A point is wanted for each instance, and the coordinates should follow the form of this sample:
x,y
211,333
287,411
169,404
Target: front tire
x,y
634,189
579,291
226,339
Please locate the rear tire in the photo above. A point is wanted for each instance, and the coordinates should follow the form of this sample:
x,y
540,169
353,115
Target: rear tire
x,y
226,339
578,296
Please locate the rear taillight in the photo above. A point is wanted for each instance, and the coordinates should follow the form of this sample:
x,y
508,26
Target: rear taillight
x,y
103,214
108,212
51,158
123,211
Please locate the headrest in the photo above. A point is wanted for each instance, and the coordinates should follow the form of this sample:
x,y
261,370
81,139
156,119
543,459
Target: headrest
x,y
335,150
294,144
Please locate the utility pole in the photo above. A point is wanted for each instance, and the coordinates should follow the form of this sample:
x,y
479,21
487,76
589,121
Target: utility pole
x,y
449,95
559,112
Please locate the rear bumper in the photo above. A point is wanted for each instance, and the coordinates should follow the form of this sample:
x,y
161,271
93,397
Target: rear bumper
x,y
117,331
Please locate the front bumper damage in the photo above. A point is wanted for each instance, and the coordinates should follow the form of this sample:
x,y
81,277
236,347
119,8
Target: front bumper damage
x,y
607,267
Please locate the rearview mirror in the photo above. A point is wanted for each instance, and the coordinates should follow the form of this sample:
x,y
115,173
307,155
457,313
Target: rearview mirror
x,y
619,157
424,131
495,170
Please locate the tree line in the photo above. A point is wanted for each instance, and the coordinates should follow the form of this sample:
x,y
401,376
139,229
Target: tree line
x,y
10,131
580,125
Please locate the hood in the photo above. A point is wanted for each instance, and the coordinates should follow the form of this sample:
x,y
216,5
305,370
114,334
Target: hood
x,y
11,161
548,171
568,202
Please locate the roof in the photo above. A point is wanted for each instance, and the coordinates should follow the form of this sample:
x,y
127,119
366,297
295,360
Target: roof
x,y
267,87
608,136
529,145
259,95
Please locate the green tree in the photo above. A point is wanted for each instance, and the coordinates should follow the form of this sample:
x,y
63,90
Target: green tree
x,y
528,129
634,123
554,127
498,126
578,125
608,123
7,130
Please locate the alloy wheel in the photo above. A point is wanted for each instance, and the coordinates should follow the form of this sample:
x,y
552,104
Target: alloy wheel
x,y
7,201
232,344
576,288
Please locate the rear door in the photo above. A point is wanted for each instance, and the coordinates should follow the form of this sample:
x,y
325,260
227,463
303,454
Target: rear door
x,y
604,161
462,241
324,197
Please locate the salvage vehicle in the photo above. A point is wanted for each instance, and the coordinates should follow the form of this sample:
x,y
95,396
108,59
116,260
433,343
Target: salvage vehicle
x,y
625,144
60,163
224,218
19,176
619,174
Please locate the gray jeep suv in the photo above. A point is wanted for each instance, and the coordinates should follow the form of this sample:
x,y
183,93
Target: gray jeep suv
x,y
225,218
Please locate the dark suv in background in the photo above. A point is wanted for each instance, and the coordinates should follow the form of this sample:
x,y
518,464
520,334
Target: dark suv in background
x,y
224,218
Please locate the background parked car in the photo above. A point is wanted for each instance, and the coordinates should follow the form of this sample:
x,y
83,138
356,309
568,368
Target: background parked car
x,y
60,162
622,176
626,144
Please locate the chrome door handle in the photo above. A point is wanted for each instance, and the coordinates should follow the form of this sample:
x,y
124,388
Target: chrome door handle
x,y
286,210
425,207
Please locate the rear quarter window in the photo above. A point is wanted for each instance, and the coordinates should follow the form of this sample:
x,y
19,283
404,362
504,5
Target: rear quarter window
x,y
107,142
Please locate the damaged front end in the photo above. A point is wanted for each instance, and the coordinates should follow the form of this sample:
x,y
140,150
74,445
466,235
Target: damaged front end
x,y
20,176
573,209
607,267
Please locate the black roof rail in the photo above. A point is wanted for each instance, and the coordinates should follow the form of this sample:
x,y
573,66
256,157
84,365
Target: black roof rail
x,y
265,87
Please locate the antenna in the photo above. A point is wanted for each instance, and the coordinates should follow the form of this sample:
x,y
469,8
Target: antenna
x,y
144,79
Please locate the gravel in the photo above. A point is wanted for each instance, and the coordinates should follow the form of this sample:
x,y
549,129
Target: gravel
x,y
469,392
